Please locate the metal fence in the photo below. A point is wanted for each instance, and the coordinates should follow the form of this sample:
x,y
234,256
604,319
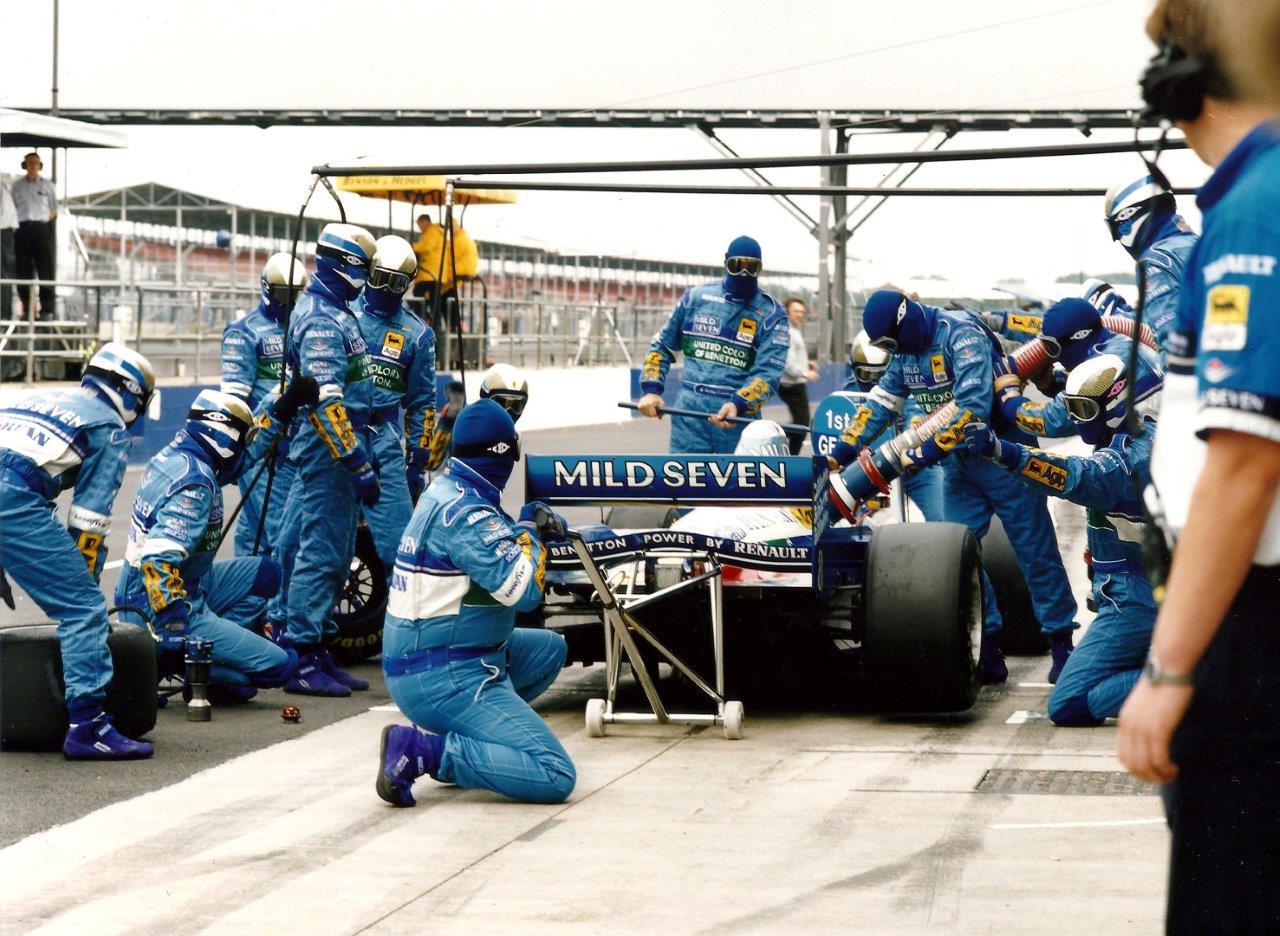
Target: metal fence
x,y
179,328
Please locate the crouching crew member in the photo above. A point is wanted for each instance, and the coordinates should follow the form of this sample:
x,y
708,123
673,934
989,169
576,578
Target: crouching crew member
x,y
174,534
455,662
49,442
735,341
1100,673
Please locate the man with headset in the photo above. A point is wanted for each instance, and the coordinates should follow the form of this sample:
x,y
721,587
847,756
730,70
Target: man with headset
x,y
1205,717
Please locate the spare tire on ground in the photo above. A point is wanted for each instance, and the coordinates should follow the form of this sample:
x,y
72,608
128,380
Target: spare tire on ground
x,y
33,715
1021,635
923,618
362,604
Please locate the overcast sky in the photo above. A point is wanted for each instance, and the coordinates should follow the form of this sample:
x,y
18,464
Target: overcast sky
x,y
805,54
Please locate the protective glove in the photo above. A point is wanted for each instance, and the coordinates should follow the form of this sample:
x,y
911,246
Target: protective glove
x,y
1051,382
301,391
548,524
364,476
172,625
6,593
915,459
416,471
980,440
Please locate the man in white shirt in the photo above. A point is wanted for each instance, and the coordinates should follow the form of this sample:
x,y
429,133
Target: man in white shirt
x,y
8,231
798,372
37,205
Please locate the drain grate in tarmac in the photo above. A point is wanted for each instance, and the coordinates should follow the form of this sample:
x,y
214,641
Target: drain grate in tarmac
x,y
1064,783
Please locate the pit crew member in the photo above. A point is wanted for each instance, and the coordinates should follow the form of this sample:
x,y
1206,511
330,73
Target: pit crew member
x,y
454,661
734,339
402,353
938,356
252,361
1102,670
49,442
174,534
331,452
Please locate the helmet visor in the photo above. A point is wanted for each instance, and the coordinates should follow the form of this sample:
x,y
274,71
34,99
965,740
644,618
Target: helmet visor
x,y
393,280
284,294
1082,409
513,401
743,266
867,373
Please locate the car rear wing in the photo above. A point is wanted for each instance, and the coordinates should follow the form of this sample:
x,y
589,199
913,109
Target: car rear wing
x,y
680,480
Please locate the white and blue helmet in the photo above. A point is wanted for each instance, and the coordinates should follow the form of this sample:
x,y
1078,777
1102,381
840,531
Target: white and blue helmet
x,y
123,377
1130,204
283,280
763,437
344,252
1103,296
225,424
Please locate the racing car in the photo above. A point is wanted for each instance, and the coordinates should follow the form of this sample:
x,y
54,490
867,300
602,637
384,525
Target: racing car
x,y
895,606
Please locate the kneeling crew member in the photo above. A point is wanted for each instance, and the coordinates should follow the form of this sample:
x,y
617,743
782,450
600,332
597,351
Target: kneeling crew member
x,y
176,531
1101,671
49,442
455,662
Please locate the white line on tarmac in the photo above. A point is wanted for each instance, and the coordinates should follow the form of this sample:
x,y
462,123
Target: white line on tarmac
x,y
1021,717
1101,823
389,707
1035,685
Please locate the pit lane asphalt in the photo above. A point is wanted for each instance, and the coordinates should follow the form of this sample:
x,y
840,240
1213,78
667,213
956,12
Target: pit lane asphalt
x,y
817,821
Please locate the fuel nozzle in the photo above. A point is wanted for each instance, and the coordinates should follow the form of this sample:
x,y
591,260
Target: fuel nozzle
x,y
199,660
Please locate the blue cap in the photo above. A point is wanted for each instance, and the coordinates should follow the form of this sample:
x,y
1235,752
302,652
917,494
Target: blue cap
x,y
744,246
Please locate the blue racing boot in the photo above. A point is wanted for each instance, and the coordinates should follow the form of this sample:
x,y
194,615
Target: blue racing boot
x,y
1060,648
310,677
337,675
407,754
97,739
991,660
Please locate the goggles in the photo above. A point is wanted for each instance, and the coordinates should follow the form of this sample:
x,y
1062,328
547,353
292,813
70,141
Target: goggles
x,y
393,280
867,373
1082,409
513,401
743,266
505,448
283,294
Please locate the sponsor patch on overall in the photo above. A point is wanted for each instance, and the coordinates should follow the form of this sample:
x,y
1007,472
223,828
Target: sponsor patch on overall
x,y
393,345
1029,324
938,365
717,351
1226,318
1046,472
747,330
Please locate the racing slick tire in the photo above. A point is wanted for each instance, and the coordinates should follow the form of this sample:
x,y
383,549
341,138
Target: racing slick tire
x,y
362,604
640,517
923,624
1021,635
33,714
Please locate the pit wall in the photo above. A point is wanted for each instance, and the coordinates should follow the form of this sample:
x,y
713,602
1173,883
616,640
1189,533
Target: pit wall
x,y
559,398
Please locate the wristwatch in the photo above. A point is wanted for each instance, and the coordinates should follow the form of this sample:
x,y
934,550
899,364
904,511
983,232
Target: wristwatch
x,y
1157,675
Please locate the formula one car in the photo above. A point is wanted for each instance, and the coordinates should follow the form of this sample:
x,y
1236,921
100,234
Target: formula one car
x,y
898,606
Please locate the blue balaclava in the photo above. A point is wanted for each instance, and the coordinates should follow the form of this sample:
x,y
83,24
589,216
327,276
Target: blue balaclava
x,y
485,440
1076,326
343,255
743,287
891,316
381,301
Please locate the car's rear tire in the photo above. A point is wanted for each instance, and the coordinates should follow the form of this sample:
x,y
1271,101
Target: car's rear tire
x,y
640,517
1021,635
362,604
923,625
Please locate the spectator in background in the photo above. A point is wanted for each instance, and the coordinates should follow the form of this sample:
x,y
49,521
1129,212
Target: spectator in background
x,y
427,249
8,232
37,205
798,373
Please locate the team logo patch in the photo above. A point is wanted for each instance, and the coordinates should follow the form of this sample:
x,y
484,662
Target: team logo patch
x,y
1226,318
1025,323
393,345
1047,473
938,365
747,330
